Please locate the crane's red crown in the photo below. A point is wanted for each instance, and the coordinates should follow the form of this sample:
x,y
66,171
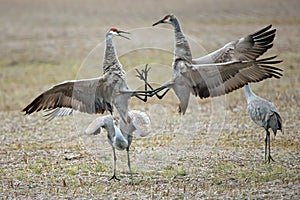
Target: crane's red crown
x,y
114,29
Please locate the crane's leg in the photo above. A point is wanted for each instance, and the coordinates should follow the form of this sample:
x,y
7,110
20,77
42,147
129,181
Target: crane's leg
x,y
151,93
143,75
143,95
269,147
266,145
129,166
115,161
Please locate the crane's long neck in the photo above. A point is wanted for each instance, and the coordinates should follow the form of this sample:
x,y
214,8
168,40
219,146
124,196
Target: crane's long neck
x,y
248,93
120,142
182,47
110,55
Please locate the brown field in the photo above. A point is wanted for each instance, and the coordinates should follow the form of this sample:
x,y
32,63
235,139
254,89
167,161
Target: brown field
x,y
213,152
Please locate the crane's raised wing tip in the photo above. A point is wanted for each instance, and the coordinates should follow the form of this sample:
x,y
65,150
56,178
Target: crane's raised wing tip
x,y
141,122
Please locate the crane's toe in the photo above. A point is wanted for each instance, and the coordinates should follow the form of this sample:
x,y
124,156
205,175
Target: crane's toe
x,y
115,178
270,158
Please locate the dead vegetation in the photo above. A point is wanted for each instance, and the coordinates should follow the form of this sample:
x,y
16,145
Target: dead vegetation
x,y
195,156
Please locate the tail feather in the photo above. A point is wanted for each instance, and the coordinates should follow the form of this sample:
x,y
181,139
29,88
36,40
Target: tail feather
x,y
275,123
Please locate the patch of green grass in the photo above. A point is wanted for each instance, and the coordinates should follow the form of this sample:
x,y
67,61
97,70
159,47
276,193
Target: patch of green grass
x,y
182,172
73,171
270,172
37,169
84,169
98,188
223,168
43,163
21,175
77,169
225,172
100,167
170,171
149,174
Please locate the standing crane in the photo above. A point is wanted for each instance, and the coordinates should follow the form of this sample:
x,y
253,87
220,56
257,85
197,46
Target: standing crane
x,y
264,114
120,134
220,72
95,95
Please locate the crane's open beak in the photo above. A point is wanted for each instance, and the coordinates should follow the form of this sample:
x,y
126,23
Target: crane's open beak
x,y
120,34
159,22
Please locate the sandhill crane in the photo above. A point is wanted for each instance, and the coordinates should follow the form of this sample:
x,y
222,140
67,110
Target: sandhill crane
x,y
119,134
219,72
264,114
95,95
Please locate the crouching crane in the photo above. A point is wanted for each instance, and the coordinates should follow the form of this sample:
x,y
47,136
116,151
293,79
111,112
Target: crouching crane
x,y
120,134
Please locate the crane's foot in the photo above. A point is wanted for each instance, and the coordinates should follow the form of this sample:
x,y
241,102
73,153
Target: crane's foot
x,y
146,70
131,178
132,183
143,75
114,177
140,75
270,158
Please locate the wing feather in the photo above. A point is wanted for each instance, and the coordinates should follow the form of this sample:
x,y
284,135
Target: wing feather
x,y
58,112
103,121
217,79
88,95
246,48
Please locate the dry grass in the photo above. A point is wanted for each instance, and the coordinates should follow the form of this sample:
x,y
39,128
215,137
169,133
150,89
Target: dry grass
x,y
186,157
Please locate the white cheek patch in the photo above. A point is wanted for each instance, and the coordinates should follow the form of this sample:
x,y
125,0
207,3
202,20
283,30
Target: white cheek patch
x,y
168,20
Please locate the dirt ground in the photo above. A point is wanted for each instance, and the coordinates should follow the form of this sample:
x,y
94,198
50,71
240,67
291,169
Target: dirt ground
x,y
213,152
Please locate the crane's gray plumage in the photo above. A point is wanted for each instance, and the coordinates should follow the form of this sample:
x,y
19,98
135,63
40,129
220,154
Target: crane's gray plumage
x,y
58,112
246,48
120,134
264,114
95,95
220,72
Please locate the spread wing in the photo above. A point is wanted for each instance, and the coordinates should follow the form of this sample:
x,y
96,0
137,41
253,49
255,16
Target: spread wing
x,y
88,95
246,48
209,80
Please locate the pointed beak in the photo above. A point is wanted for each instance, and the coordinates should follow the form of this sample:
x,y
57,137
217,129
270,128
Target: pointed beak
x,y
123,32
159,22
